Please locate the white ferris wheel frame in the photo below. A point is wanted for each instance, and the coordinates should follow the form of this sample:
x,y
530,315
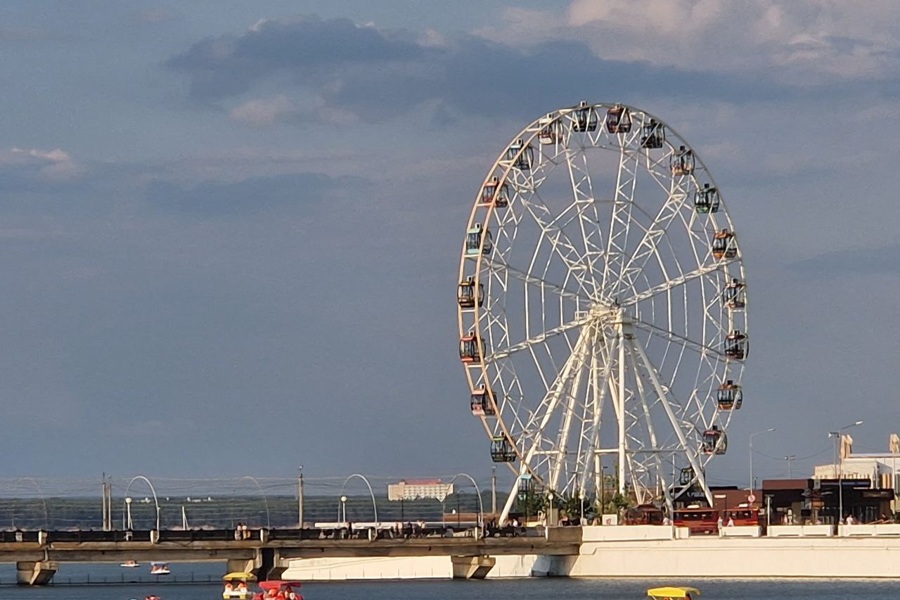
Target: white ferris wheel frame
x,y
614,307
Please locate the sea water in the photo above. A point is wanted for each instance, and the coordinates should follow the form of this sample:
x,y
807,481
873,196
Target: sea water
x,y
201,582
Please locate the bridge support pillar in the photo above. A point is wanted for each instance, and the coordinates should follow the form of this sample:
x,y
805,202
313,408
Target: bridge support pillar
x,y
35,572
240,565
472,567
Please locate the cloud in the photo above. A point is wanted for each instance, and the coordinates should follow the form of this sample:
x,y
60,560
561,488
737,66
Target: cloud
x,y
810,42
336,71
34,170
50,164
304,50
263,111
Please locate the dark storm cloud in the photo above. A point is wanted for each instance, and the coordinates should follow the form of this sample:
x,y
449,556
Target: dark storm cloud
x,y
377,75
884,260
302,49
255,194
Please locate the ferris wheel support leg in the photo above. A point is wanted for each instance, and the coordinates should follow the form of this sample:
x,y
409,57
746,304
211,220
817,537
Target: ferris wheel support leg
x,y
623,335
654,379
510,500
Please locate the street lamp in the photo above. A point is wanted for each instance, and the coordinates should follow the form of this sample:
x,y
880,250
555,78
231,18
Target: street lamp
x,y
342,513
299,497
128,524
840,467
581,507
789,458
752,435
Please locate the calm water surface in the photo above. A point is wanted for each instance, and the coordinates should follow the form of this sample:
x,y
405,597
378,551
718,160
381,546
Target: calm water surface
x,y
520,589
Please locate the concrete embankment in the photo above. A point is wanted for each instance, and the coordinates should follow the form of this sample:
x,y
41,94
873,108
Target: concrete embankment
x,y
813,552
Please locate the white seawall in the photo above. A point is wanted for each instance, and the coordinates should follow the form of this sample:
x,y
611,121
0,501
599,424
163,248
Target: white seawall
x,y
872,552
420,567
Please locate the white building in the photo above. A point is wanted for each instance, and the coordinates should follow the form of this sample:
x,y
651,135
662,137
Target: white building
x,y
878,468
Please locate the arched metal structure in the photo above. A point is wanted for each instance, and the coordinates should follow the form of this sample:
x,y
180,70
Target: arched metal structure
x,y
263,494
152,490
43,499
594,323
371,493
477,491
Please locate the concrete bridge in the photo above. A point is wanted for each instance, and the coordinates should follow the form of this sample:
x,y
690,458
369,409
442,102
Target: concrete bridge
x,y
38,554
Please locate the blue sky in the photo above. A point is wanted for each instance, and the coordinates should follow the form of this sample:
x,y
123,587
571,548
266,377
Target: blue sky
x,y
229,231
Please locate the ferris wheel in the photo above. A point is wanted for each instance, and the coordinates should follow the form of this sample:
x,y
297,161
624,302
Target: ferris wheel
x,y
602,308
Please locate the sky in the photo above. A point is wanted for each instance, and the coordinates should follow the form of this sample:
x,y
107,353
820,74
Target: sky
x,y
230,231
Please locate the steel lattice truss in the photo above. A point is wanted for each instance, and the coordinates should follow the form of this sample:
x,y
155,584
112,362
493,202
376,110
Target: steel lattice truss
x,y
597,262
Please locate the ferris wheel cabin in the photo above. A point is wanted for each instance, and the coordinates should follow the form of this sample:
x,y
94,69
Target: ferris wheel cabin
x,y
549,132
470,348
501,450
482,403
520,155
495,193
736,345
729,396
618,119
470,295
707,200
653,134
682,162
723,246
474,238
734,295
714,441
585,118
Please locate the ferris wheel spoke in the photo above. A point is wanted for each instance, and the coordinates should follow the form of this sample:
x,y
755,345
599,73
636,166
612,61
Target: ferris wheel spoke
x,y
649,244
561,245
527,278
670,284
584,199
553,224
681,340
508,351
620,222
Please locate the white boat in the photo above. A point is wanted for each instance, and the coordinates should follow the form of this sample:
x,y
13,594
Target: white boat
x,y
130,564
159,568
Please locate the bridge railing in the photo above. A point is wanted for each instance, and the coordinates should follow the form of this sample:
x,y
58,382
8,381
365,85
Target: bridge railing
x,y
29,503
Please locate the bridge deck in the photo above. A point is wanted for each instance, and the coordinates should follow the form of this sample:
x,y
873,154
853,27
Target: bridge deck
x,y
96,547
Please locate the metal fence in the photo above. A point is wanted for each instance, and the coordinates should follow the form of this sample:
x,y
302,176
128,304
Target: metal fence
x,y
59,504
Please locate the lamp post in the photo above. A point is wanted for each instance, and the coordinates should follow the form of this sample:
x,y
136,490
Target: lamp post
x,y
300,497
752,435
128,524
342,513
581,508
789,458
839,467
551,512
602,490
